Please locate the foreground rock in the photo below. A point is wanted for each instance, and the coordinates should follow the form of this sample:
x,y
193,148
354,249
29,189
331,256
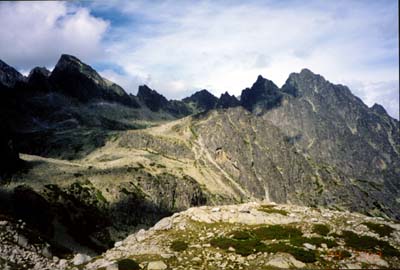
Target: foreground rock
x,y
260,236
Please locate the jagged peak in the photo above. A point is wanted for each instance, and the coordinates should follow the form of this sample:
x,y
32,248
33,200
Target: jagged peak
x,y
67,61
263,82
39,70
201,93
69,58
378,109
260,78
306,71
145,90
9,76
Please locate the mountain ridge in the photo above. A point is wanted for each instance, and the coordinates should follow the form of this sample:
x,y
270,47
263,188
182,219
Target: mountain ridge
x,y
81,148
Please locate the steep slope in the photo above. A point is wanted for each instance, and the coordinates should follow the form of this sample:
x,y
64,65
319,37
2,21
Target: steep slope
x,y
329,124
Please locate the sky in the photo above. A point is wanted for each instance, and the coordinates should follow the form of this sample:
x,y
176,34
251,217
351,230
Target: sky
x,y
179,47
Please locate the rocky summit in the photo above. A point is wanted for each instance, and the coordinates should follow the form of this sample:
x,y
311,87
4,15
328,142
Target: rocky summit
x,y
91,177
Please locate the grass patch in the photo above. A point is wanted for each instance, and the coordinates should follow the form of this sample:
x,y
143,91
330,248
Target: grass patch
x,y
276,232
179,245
241,235
249,242
270,209
368,243
381,229
316,241
242,247
306,256
321,229
128,264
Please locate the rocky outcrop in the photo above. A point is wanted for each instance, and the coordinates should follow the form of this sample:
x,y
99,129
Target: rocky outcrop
x,y
253,235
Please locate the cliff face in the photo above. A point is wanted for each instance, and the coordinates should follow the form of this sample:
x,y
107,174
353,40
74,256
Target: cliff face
x,y
328,123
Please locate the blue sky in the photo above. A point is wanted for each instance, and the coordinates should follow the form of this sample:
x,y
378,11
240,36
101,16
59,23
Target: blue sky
x,y
178,47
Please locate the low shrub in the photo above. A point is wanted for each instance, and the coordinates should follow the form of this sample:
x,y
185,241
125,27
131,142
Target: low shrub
x,y
368,243
276,232
128,264
179,245
321,229
381,229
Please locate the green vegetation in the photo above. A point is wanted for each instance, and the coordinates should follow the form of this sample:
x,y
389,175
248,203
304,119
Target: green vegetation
x,y
270,209
249,241
306,256
321,229
368,243
381,229
242,247
276,232
179,245
317,241
100,196
241,235
128,264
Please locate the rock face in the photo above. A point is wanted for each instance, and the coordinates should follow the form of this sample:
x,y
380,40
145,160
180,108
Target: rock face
x,y
326,122
74,78
261,159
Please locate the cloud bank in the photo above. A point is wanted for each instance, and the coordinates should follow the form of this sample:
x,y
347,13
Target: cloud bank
x,y
178,47
37,33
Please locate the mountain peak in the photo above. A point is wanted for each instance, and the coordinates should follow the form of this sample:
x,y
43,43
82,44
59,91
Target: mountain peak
x,y
39,70
260,78
69,59
151,98
203,100
9,76
227,101
306,71
264,93
379,109
76,79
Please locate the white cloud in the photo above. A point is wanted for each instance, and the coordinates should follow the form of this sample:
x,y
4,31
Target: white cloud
x,y
384,93
177,46
224,46
37,33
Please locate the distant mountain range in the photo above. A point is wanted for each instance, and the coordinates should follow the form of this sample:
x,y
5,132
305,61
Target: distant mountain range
x,y
75,146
